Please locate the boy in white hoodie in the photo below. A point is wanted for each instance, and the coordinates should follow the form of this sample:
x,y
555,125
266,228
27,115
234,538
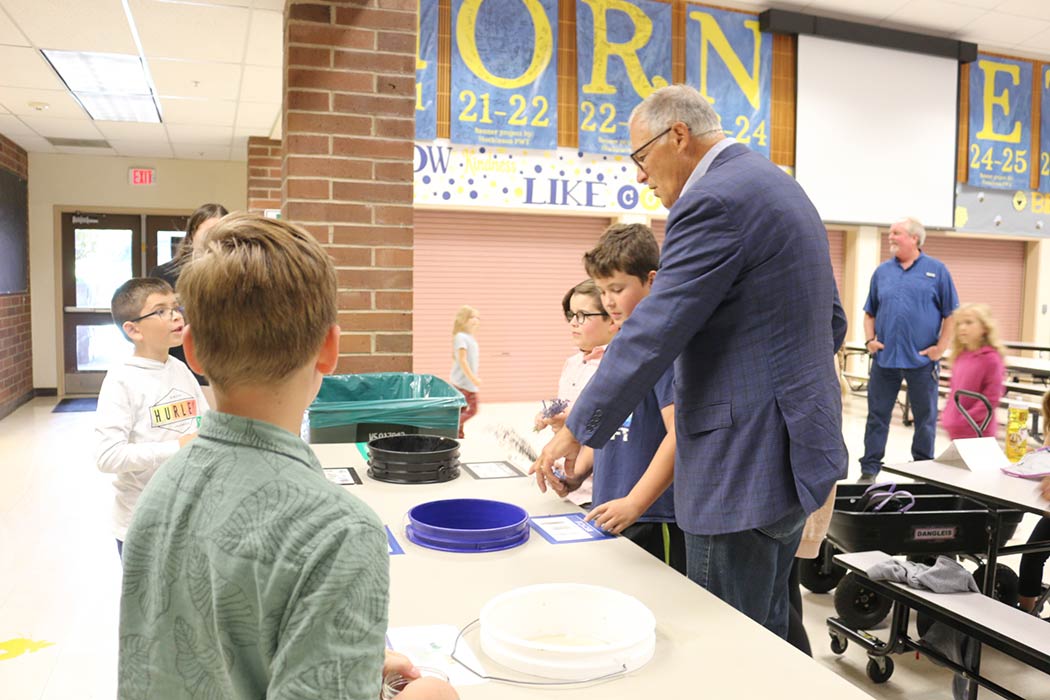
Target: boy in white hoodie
x,y
149,406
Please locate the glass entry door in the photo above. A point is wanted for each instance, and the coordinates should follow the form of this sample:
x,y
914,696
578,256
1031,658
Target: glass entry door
x,y
99,253
163,236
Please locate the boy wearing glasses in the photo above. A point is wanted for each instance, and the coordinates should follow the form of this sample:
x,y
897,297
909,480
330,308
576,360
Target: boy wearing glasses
x,y
634,470
149,406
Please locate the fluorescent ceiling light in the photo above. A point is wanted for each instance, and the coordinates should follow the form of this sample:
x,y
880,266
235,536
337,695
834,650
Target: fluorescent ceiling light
x,y
111,87
119,108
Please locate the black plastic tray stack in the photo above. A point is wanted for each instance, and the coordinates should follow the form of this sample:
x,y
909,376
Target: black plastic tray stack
x,y
413,459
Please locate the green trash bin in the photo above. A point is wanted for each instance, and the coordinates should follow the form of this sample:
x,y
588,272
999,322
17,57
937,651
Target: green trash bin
x,y
362,407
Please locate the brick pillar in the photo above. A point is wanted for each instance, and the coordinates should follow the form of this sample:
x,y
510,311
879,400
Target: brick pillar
x,y
264,174
16,335
349,124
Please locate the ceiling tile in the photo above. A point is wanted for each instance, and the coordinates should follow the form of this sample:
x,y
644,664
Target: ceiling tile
x,y
258,116
265,39
63,128
200,135
27,68
80,151
1038,42
936,16
73,24
274,5
194,79
986,4
1002,30
9,33
11,125
1038,9
202,152
855,10
262,84
193,32
32,144
150,149
201,112
132,131
61,104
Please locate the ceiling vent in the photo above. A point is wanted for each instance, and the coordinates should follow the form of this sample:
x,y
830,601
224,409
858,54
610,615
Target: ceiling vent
x,y
80,143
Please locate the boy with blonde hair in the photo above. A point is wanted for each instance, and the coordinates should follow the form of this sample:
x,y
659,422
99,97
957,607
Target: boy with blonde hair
x,y
247,574
151,404
634,470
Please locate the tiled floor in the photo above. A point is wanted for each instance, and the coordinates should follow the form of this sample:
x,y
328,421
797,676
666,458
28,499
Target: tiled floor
x,y
60,576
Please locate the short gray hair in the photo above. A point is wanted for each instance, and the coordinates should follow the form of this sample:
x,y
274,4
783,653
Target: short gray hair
x,y
914,228
678,103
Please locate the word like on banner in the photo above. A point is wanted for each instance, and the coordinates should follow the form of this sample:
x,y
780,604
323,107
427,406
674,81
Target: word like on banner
x,y
504,76
624,54
1000,123
730,62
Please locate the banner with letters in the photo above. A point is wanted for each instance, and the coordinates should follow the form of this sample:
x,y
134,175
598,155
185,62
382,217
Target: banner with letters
x,y
504,76
623,50
730,62
564,180
426,69
1044,131
999,154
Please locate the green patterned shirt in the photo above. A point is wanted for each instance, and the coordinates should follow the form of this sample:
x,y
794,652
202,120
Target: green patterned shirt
x,y
248,575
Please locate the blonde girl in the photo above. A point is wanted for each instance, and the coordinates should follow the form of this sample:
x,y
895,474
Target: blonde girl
x,y
465,361
977,365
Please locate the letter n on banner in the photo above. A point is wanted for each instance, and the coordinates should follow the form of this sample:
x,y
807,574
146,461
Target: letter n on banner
x,y
623,50
731,63
504,76
1000,123
426,70
1044,131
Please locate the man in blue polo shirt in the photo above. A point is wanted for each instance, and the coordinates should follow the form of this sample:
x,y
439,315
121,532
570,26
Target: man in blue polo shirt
x,y
908,325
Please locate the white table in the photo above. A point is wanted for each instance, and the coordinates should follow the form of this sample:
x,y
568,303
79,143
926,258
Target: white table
x,y
992,488
1034,366
703,648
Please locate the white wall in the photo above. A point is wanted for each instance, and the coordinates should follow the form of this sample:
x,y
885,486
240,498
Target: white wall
x,y
94,182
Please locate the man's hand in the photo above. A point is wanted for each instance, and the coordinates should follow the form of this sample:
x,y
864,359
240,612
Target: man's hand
x,y
562,445
616,515
874,346
933,352
1044,488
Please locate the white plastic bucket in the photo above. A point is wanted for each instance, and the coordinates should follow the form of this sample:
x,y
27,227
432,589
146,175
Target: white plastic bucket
x,y
568,631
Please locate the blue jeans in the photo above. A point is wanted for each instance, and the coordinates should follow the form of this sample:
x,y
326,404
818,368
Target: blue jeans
x,y
883,386
750,570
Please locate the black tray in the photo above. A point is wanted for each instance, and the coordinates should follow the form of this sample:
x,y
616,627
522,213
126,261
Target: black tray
x,y
940,522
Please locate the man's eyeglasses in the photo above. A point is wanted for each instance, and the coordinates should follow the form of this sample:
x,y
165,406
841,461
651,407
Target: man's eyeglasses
x,y
639,160
580,317
165,314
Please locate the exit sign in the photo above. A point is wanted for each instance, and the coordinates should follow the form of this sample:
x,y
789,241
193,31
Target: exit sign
x,y
141,176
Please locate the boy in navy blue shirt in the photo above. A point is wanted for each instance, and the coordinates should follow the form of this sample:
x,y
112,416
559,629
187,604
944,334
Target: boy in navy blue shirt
x,y
633,472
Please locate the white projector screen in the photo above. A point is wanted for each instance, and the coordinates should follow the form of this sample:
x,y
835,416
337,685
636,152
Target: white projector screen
x,y
875,136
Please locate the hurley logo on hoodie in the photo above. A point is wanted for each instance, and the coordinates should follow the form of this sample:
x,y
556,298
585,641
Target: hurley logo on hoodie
x,y
174,411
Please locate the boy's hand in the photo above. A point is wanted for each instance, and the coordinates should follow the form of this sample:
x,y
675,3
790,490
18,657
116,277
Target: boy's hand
x,y
1045,488
557,422
186,439
396,662
615,516
563,487
539,422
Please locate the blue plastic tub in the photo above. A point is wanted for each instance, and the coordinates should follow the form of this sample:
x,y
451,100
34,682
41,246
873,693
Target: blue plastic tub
x,y
467,525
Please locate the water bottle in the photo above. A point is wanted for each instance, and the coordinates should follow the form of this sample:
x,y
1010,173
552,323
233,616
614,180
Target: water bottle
x,y
1016,431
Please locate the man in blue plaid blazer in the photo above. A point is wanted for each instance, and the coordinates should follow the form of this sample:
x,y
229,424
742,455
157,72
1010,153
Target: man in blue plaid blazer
x,y
745,305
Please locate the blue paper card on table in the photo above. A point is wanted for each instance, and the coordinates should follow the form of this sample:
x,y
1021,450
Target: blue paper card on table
x,y
392,545
567,529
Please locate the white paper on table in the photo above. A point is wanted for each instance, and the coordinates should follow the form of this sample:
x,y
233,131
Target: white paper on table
x,y
431,645
975,454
